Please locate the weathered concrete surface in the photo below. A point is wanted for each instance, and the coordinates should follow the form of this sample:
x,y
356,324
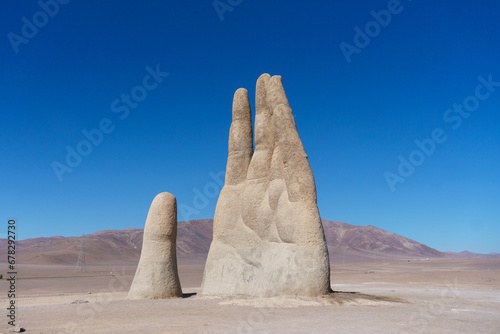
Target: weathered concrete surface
x,y
268,238
156,276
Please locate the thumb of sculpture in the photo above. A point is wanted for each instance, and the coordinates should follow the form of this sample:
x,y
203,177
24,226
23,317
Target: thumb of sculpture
x,y
156,276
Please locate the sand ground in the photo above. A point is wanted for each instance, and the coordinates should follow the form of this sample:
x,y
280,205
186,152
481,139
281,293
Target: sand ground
x,y
435,296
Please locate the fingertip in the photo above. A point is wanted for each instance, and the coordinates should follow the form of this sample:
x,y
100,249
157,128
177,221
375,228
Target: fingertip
x,y
261,92
240,91
263,77
240,96
241,105
165,197
276,92
277,81
262,82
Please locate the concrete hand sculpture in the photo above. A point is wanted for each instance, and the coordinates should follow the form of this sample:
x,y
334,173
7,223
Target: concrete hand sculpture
x,y
156,276
268,238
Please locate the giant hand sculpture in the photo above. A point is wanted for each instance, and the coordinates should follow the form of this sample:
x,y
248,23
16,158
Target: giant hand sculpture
x,y
268,239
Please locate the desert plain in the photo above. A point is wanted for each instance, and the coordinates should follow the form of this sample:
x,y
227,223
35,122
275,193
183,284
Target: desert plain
x,y
371,296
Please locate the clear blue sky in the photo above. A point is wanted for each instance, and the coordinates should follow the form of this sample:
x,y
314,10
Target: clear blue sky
x,y
355,118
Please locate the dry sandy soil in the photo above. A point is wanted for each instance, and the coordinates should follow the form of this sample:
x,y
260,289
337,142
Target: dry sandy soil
x,y
435,296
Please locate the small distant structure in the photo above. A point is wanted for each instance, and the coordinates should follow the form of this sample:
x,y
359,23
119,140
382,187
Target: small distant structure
x,y
81,264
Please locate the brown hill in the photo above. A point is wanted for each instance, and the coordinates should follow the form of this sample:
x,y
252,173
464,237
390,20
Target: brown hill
x,y
365,242
345,242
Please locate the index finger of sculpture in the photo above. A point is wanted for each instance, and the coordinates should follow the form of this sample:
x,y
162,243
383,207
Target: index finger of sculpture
x,y
240,139
298,176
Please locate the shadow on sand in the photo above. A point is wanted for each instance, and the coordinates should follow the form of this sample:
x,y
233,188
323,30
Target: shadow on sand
x,y
352,297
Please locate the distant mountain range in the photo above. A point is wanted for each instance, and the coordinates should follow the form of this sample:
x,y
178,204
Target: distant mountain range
x,y
345,243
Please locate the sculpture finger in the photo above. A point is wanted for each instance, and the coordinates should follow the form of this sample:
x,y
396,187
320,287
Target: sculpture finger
x,y
240,139
156,275
276,93
298,175
264,134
